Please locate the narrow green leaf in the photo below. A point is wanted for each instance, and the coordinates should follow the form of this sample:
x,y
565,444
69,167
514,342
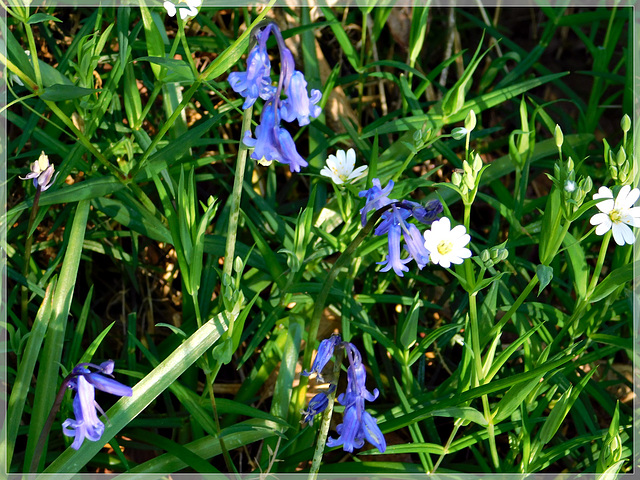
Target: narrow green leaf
x,y
41,17
58,92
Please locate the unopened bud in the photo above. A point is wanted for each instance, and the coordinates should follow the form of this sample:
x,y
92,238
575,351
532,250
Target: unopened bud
x,y
470,121
586,185
625,123
477,163
459,133
613,171
570,164
621,157
485,256
558,136
467,168
469,182
456,179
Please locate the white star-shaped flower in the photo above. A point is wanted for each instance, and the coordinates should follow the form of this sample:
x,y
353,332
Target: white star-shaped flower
x,y
446,245
340,167
617,215
191,11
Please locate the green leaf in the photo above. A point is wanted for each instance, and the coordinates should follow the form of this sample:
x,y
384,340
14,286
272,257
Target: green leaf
x,y
620,276
513,399
545,275
173,328
59,92
408,327
464,413
179,70
41,17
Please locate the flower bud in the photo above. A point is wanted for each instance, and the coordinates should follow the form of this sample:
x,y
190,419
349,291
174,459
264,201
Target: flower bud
x,y
467,168
621,157
625,123
558,136
470,121
485,256
459,133
477,163
613,171
469,181
570,164
456,179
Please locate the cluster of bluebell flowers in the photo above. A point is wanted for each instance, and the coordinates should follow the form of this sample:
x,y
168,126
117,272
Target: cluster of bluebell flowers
x,y
395,224
273,142
357,424
84,379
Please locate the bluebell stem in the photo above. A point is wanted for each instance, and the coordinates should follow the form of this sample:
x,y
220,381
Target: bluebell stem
x,y
273,142
357,424
84,381
395,225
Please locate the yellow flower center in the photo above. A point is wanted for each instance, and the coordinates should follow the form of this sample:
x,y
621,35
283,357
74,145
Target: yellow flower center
x,y
445,247
615,216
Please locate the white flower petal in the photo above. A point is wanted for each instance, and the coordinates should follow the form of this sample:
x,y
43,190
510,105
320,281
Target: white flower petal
x,y
170,8
350,159
600,218
605,206
603,192
629,199
619,233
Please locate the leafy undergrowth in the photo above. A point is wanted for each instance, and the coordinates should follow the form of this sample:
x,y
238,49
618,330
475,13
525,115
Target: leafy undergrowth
x,y
155,236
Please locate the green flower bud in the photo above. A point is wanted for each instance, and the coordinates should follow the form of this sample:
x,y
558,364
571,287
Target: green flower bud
x,y
485,256
477,163
238,265
621,157
613,171
625,123
467,168
459,133
456,179
470,121
586,185
504,254
417,136
570,164
558,136
469,181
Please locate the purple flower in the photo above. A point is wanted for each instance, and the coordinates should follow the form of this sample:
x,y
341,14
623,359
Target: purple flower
x,y
298,104
414,245
273,142
325,352
256,81
424,214
41,173
393,259
318,404
376,198
84,381
357,425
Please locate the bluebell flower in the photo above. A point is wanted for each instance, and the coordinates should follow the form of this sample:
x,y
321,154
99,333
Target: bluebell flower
x,y
395,225
273,142
357,424
41,173
84,381
317,404
393,260
298,105
376,198
325,352
256,81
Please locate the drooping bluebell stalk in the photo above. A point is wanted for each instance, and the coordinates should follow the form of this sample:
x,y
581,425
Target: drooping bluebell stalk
x,y
358,425
395,225
273,142
86,424
84,381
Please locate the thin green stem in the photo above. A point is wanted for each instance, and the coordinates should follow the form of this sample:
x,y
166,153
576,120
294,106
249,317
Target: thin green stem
x,y
185,45
27,256
34,53
456,426
157,88
186,98
521,298
326,420
599,263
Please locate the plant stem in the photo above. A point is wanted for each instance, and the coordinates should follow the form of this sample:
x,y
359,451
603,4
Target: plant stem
x,y
599,263
27,256
326,419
